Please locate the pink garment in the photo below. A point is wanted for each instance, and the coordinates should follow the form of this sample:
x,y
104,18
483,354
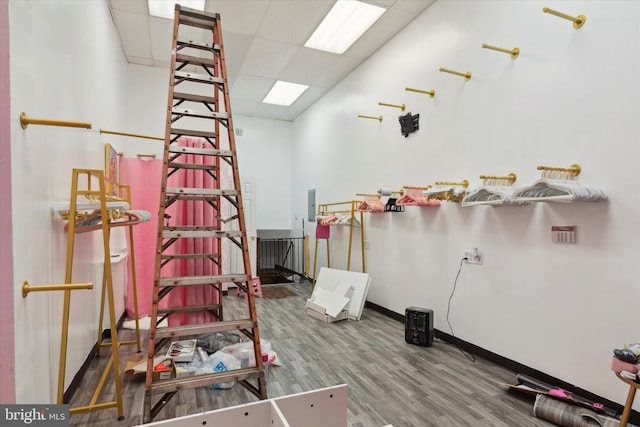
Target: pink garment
x,y
371,206
144,178
322,231
192,213
414,197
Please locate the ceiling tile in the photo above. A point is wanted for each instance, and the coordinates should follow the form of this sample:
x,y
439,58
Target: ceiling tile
x,y
307,65
251,87
337,71
134,33
293,21
239,16
133,6
267,58
236,47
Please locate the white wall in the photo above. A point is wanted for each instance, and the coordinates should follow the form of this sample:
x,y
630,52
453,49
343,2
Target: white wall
x,y
66,64
573,96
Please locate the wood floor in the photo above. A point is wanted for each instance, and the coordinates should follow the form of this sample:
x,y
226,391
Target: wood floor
x,y
390,381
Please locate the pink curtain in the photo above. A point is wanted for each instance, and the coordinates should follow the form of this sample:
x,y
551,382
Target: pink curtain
x,y
192,213
144,177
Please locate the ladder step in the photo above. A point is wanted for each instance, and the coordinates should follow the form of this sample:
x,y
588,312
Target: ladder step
x,y
189,309
199,234
192,166
200,114
196,77
190,132
194,60
212,257
203,328
202,280
194,44
201,191
196,381
200,151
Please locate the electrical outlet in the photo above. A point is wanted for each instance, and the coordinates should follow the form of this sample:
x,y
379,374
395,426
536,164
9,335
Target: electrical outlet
x,y
473,256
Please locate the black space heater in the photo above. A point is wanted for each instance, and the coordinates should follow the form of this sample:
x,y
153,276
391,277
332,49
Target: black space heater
x,y
418,326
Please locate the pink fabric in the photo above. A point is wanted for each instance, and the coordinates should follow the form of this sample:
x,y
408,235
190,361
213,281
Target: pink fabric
x,y
144,177
192,213
414,197
323,231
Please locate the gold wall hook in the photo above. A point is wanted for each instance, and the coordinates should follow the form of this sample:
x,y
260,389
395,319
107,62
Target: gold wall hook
x,y
401,106
464,183
431,92
134,135
378,118
573,170
578,21
510,178
25,121
26,287
467,75
513,52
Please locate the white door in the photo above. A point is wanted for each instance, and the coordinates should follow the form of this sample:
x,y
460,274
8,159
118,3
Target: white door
x,y
248,187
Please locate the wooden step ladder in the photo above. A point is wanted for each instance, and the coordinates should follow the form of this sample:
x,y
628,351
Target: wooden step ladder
x,y
199,111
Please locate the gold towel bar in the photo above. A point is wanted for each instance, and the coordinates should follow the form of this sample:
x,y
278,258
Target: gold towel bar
x,y
464,183
574,169
26,287
431,92
467,75
379,118
25,121
401,106
513,52
135,135
578,21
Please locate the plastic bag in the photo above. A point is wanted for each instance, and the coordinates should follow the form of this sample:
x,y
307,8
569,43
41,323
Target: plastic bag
x,y
217,340
265,346
219,362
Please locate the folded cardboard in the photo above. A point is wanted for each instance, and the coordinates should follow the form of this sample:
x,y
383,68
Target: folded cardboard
x,y
318,312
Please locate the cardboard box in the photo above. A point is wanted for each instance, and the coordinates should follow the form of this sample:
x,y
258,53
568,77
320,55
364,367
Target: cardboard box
x,y
137,365
182,351
318,312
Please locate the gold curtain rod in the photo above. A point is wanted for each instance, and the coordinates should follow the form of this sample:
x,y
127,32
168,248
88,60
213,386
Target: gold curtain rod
x,y
25,121
513,52
467,75
134,135
153,156
379,118
574,169
464,183
431,92
26,287
578,21
401,106
368,195
511,177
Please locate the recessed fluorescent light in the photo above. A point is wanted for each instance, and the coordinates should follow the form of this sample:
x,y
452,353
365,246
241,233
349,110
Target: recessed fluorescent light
x,y
284,93
166,8
344,24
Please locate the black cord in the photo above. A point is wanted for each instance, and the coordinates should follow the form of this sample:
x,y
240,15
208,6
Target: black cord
x,y
455,282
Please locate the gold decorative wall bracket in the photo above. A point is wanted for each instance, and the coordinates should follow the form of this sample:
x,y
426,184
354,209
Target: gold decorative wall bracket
x,y
134,135
573,170
578,21
464,183
26,287
400,106
378,118
431,92
467,75
26,121
513,52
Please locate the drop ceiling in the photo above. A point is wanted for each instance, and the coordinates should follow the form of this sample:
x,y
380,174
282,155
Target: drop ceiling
x,y
263,42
